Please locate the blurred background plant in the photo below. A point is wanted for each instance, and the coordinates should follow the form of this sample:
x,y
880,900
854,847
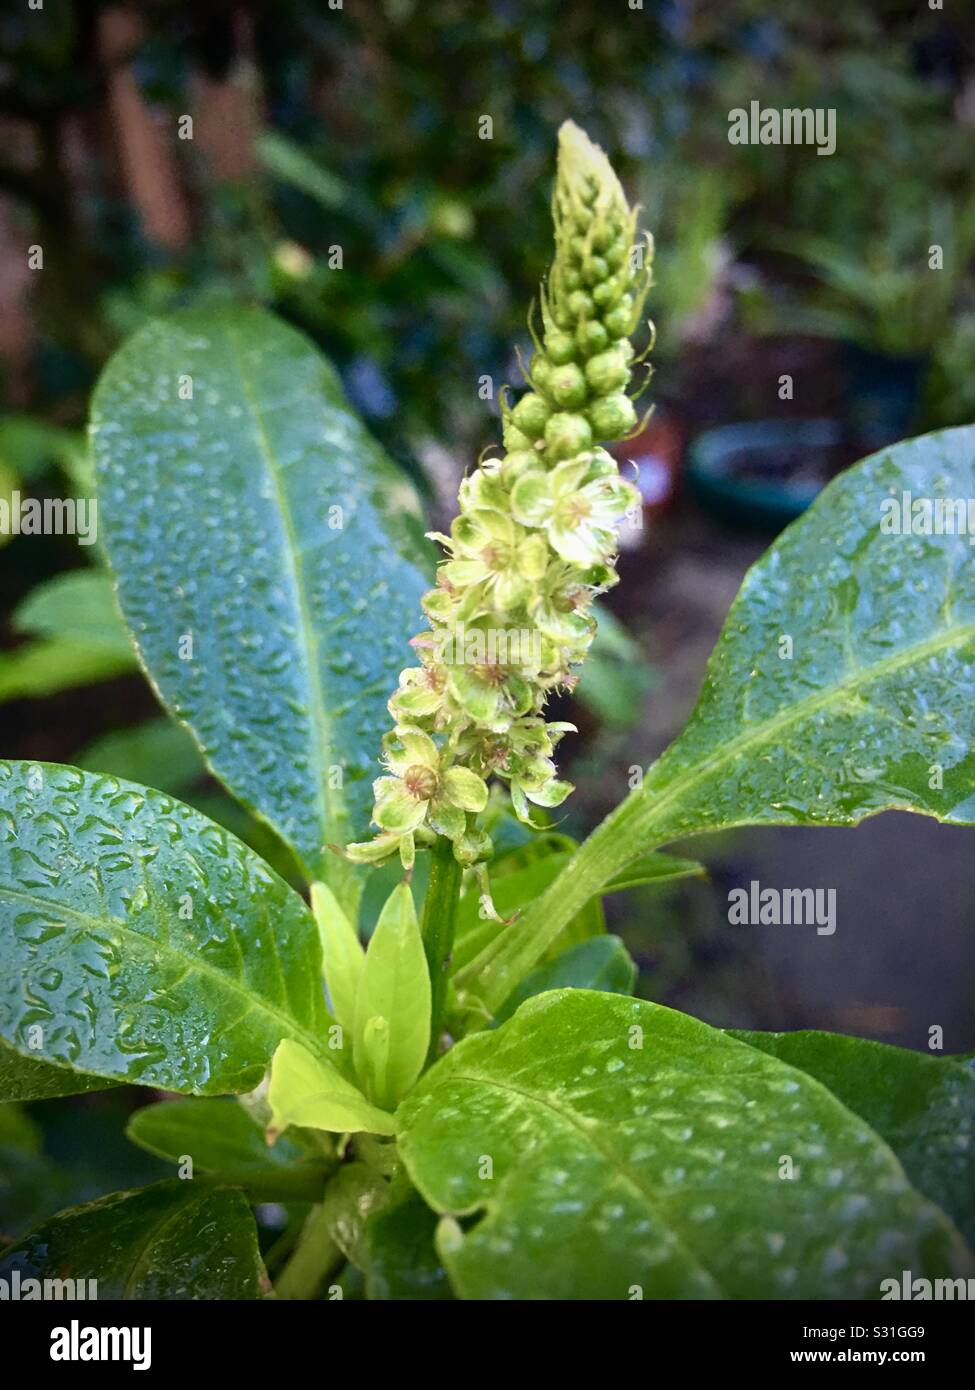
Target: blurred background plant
x,y
380,175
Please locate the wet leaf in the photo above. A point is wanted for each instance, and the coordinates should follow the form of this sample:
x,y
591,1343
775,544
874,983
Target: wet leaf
x,y
141,942
612,1148
174,1240
259,519
923,1105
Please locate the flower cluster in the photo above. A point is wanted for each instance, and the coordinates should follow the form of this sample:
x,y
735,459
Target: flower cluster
x,y
535,540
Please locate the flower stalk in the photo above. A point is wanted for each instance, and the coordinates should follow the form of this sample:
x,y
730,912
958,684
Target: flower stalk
x,y
535,541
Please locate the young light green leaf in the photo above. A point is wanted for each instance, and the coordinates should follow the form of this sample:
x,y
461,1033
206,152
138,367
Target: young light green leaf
x,y
278,642
309,1091
614,1145
140,942
146,1244
342,954
922,1104
392,1014
843,684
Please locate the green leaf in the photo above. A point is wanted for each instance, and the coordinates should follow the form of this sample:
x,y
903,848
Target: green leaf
x,y
220,1137
77,637
603,963
654,868
288,162
923,1105
157,753
30,1078
630,1145
310,1092
875,697
29,445
355,1193
141,942
146,1244
261,519
44,667
880,683
392,1011
342,954
399,1255
80,607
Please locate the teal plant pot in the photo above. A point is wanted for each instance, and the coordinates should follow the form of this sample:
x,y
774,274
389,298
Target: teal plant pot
x,y
760,475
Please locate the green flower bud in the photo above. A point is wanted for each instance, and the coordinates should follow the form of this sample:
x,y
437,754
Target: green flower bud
x,y
616,254
602,237
540,373
530,415
567,386
560,348
617,319
592,337
607,372
579,305
514,439
593,271
612,416
517,463
605,294
567,435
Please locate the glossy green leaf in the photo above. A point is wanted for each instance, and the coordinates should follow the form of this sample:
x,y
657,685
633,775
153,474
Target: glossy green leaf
x,y
146,1244
311,1092
610,1146
922,1104
392,1011
843,684
343,955
158,753
260,518
222,1138
141,942
602,963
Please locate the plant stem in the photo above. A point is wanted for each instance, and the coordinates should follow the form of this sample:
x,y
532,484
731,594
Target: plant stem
x,y
439,922
315,1257
617,840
